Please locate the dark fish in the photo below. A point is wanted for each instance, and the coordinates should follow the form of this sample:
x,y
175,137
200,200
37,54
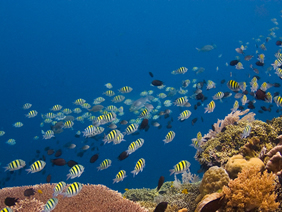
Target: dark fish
x,y
222,81
46,148
144,124
94,158
161,207
276,85
226,94
50,152
157,83
260,95
96,108
58,153
71,163
245,92
265,108
48,178
194,121
202,119
278,43
69,118
241,107
59,162
198,104
234,62
80,154
169,126
258,63
43,157
123,122
123,155
10,201
29,192
151,74
251,105
277,111
276,94
37,151
112,126
260,111
195,107
223,129
161,182
258,77
200,96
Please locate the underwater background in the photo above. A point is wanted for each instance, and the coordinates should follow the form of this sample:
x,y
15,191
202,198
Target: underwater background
x,y
58,51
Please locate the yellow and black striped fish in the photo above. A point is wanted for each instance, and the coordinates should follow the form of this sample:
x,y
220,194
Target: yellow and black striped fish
x,y
135,145
120,176
59,188
56,107
118,98
79,101
89,131
144,113
278,100
184,115
75,171
125,89
181,101
111,136
131,129
36,166
15,165
31,114
68,124
73,189
7,209
105,164
181,167
109,93
51,204
169,137
139,166
210,107
233,85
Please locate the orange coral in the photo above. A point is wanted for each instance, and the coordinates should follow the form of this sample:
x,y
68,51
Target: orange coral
x,y
251,190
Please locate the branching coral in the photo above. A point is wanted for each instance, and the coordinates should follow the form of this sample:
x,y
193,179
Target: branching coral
x,y
251,190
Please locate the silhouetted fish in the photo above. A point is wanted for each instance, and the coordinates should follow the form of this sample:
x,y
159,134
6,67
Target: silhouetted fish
x,y
151,74
59,162
58,153
222,81
157,83
123,155
258,63
160,183
278,43
144,124
234,62
48,178
161,207
71,163
94,158
194,121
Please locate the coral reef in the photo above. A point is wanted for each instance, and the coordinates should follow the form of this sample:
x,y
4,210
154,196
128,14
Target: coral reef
x,y
220,145
92,198
252,190
236,163
213,181
143,194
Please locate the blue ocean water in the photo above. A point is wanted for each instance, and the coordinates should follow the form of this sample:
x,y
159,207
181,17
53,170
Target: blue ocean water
x,y
58,51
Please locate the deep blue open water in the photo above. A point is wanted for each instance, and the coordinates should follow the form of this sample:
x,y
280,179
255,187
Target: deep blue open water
x,y
54,52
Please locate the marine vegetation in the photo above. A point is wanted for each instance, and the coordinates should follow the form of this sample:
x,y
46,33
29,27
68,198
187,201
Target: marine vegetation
x,y
226,140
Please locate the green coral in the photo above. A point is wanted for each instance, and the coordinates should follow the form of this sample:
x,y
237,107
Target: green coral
x,y
217,150
143,194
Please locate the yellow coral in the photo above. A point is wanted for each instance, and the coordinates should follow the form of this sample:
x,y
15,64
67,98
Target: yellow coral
x,y
251,190
237,162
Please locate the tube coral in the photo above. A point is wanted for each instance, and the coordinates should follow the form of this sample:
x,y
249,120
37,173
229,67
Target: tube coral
x,y
251,190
